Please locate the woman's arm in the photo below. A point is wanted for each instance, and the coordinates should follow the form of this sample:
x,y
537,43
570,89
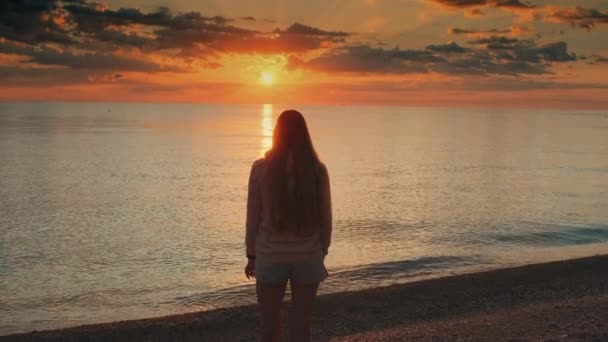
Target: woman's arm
x,y
254,209
326,215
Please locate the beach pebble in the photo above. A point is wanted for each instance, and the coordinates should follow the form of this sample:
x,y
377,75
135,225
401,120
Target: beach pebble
x,y
557,338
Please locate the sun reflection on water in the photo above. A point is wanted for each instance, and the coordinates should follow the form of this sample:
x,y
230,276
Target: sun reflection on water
x,y
266,126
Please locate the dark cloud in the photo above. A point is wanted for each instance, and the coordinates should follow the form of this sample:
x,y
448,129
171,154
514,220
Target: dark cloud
x,y
300,29
79,34
86,60
526,50
447,48
170,31
32,21
24,16
496,42
96,61
194,33
45,77
170,38
364,59
12,12
596,59
580,17
122,39
296,38
84,23
514,58
511,30
552,52
518,4
456,30
462,3
90,18
24,76
105,78
485,65
35,35
511,4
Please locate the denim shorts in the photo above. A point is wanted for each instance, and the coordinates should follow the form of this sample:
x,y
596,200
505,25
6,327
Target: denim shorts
x,y
298,272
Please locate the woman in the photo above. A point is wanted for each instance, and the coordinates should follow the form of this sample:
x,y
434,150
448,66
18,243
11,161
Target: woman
x,y
288,227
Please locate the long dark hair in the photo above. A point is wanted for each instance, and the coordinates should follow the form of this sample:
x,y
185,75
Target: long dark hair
x,y
293,171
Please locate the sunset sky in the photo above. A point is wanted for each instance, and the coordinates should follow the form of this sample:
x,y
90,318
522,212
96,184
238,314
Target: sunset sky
x,y
537,53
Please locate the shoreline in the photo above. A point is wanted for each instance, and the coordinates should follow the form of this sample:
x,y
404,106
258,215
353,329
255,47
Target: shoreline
x,y
557,300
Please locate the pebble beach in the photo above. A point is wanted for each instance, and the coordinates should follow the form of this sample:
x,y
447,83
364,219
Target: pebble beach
x,y
556,301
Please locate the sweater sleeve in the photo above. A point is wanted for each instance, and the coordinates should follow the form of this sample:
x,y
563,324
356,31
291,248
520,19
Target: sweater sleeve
x,y
326,215
254,209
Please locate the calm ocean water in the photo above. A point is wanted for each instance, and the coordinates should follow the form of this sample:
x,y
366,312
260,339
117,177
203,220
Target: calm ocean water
x,y
119,211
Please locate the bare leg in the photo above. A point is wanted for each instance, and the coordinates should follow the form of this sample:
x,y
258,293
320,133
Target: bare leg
x,y
270,301
302,299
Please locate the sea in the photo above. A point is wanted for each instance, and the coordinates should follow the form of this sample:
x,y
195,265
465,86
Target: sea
x,y
116,211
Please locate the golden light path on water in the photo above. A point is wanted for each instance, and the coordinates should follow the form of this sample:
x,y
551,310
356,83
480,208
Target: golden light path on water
x,y
266,127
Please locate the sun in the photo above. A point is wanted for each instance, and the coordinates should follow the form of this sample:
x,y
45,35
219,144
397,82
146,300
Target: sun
x,y
266,78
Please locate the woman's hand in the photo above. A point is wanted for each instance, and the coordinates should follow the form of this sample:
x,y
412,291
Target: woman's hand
x,y
250,269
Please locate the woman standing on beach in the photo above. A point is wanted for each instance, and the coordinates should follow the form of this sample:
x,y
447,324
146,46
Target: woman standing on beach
x,y
288,227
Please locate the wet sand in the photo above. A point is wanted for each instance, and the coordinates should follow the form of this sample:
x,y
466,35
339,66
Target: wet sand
x,y
558,301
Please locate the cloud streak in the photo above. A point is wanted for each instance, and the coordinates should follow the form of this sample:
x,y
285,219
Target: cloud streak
x,y
496,55
514,30
587,18
508,4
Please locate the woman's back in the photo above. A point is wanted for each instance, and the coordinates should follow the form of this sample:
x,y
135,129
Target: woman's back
x,y
291,243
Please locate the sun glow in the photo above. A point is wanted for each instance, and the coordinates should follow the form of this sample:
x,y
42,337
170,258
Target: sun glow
x,y
266,78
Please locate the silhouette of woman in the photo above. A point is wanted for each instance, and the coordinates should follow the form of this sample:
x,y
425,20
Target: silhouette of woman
x,y
289,224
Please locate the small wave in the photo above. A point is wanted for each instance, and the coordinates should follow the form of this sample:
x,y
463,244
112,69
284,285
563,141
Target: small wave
x,y
399,269
230,296
563,237
393,272
340,279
